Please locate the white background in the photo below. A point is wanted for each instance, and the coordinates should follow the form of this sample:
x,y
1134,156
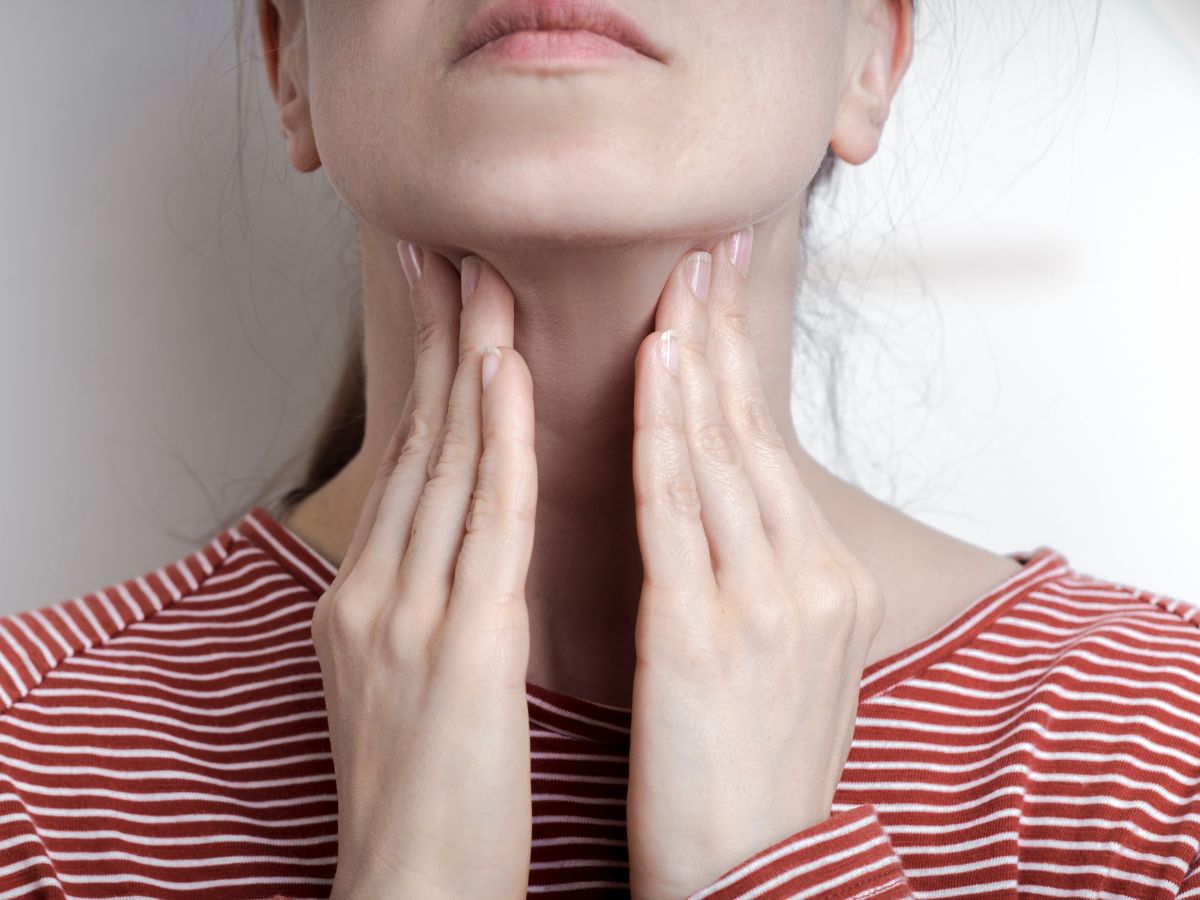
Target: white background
x,y
1017,268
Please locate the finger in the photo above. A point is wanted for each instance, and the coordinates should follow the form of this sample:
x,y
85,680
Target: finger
x,y
384,523
790,515
440,517
674,548
737,543
489,578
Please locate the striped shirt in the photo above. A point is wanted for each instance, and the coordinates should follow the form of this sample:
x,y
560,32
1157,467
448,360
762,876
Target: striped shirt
x,y
166,737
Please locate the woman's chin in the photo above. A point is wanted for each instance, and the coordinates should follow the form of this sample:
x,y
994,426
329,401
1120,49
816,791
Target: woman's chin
x,y
509,208
519,227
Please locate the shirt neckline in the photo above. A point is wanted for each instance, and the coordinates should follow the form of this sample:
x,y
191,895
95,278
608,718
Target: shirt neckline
x,y
579,717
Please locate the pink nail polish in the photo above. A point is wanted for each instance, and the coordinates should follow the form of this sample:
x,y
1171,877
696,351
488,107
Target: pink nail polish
x,y
410,261
740,243
668,350
699,273
491,362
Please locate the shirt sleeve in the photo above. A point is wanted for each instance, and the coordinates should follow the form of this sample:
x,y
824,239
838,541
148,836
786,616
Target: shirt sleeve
x,y
847,855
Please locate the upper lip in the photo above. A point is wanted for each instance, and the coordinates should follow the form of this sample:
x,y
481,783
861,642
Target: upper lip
x,y
507,16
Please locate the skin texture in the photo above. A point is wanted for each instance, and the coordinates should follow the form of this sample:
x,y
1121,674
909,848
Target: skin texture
x,y
585,298
583,193
423,636
754,620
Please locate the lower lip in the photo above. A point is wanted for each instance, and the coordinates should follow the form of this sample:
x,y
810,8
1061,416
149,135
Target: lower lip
x,y
557,44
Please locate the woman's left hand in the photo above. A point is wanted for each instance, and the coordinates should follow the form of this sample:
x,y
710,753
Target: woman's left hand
x,y
754,620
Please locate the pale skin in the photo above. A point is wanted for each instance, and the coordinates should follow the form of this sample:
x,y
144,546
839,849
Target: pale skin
x,y
770,624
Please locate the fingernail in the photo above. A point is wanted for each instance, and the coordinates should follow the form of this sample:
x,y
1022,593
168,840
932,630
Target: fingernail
x,y
470,277
491,362
410,261
740,243
699,273
668,350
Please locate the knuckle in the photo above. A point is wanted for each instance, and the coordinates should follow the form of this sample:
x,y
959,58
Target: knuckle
x,y
871,603
872,608
679,495
344,622
772,619
502,438
439,490
667,434
734,321
451,451
429,334
401,647
670,485
487,512
456,454
433,461
831,602
757,422
467,353
829,612
717,442
420,431
860,585
666,439
494,506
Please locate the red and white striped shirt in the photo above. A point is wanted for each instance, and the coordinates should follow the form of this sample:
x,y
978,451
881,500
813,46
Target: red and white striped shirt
x,y
166,737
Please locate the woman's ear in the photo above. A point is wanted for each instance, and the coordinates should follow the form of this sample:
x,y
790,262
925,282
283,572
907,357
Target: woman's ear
x,y
879,49
285,52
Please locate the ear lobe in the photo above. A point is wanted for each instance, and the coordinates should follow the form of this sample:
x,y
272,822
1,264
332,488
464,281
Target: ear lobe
x,y
879,57
295,124
282,53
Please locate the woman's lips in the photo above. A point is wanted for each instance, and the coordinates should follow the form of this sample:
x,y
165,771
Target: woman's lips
x,y
554,29
575,44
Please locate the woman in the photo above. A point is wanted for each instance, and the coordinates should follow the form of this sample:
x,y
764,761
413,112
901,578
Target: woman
x,y
581,617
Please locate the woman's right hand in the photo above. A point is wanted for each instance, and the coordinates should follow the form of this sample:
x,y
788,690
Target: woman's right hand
x,y
423,636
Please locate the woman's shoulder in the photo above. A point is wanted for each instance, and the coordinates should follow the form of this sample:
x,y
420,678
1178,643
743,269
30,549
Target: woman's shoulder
x,y
1068,643
1130,642
1042,612
185,699
235,597
1077,605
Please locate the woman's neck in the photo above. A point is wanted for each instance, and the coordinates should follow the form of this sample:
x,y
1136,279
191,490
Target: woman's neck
x,y
579,318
